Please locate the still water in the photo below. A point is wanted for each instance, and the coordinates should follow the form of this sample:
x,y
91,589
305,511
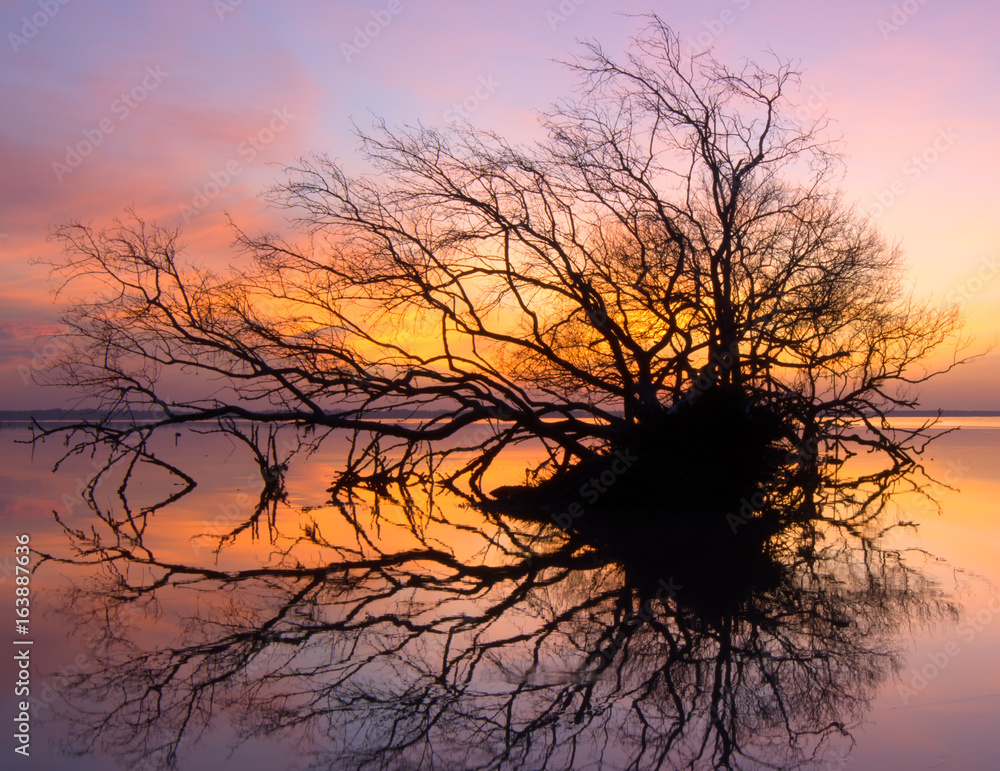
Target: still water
x,y
227,630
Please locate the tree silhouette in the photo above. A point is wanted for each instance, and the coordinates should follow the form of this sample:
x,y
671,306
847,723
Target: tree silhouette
x,y
676,245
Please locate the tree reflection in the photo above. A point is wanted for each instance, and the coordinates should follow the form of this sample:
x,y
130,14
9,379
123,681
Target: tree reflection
x,y
526,646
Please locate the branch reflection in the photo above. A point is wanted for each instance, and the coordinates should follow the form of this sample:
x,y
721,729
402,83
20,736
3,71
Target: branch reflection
x,y
436,636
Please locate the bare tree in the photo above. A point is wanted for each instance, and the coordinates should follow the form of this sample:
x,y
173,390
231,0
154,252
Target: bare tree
x,y
678,234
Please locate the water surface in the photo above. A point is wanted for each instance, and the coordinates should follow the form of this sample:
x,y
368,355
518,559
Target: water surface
x,y
477,642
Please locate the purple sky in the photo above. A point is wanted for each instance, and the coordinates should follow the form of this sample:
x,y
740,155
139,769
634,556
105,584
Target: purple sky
x,y
172,95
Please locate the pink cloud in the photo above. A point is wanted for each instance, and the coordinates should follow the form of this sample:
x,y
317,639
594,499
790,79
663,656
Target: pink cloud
x,y
226,76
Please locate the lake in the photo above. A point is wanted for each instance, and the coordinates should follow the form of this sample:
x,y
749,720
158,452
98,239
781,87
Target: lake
x,y
417,632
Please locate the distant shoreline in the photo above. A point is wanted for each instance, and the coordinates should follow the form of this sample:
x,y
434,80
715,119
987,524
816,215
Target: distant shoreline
x,y
58,415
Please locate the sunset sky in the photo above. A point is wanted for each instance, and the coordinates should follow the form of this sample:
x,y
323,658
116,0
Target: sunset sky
x,y
191,109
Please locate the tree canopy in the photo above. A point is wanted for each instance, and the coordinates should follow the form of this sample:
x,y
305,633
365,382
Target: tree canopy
x,y
677,233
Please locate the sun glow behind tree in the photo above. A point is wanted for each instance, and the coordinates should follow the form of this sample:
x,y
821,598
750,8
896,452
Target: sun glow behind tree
x,y
678,234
